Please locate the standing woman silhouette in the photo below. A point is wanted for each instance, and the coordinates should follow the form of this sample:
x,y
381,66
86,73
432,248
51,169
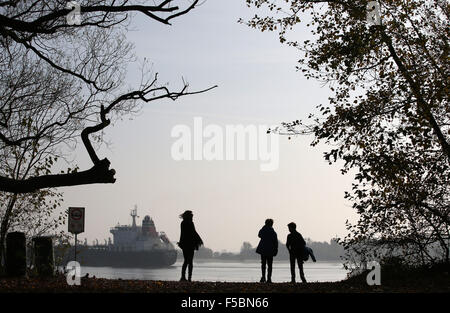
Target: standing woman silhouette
x,y
189,241
268,248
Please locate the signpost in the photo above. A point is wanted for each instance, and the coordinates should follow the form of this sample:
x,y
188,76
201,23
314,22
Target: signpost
x,y
76,223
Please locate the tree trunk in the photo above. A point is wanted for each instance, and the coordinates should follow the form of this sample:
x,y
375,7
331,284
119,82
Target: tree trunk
x,y
423,108
4,227
98,174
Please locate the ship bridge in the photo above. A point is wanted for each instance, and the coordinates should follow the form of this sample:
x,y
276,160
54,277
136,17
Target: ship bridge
x,y
139,238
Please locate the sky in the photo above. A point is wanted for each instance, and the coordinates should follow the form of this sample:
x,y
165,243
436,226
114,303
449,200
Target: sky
x,y
257,85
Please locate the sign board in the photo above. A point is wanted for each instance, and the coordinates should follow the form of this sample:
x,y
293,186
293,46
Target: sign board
x,y
76,220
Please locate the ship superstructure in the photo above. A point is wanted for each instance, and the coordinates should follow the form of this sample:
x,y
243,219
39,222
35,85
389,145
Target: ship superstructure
x,y
132,246
139,238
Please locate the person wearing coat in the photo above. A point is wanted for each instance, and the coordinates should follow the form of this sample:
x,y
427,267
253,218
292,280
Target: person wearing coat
x,y
267,248
189,241
296,247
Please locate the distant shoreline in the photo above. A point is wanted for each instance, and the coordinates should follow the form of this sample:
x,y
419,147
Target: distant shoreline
x,y
206,260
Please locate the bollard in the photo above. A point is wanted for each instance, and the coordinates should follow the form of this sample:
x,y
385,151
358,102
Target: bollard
x,y
16,255
44,261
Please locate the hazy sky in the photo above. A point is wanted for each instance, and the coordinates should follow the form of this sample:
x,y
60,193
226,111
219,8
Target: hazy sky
x,y
258,84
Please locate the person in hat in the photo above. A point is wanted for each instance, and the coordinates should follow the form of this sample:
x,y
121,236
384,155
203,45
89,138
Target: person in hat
x,y
189,241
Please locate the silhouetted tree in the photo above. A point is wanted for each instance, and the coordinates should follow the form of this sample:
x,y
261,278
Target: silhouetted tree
x,y
325,251
247,251
62,80
388,117
204,253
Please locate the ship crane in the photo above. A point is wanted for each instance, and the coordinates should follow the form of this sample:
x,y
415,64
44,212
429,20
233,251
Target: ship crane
x,y
134,215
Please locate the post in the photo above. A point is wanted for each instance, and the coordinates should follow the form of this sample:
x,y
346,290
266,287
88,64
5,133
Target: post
x,y
76,224
16,254
75,247
43,256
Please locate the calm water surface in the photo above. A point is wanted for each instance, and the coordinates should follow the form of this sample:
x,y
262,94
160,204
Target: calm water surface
x,y
224,271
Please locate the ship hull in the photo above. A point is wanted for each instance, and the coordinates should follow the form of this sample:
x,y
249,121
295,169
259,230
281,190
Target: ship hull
x,y
130,259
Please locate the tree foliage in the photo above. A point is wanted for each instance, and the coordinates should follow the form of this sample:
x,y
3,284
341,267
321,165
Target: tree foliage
x,y
35,214
388,117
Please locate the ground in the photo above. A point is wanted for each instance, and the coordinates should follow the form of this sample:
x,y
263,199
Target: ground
x,y
432,282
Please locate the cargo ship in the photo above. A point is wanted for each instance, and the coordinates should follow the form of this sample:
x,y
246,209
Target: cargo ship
x,y
133,246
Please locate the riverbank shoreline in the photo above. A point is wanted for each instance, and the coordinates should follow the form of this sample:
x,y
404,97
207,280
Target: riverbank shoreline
x,y
393,279
59,284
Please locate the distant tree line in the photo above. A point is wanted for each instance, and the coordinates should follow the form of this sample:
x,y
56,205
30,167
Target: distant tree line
x,y
323,251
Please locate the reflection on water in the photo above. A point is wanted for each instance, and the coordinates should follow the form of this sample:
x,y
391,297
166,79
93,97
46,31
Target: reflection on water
x,y
224,271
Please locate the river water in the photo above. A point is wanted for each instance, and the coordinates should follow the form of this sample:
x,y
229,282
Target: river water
x,y
224,271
